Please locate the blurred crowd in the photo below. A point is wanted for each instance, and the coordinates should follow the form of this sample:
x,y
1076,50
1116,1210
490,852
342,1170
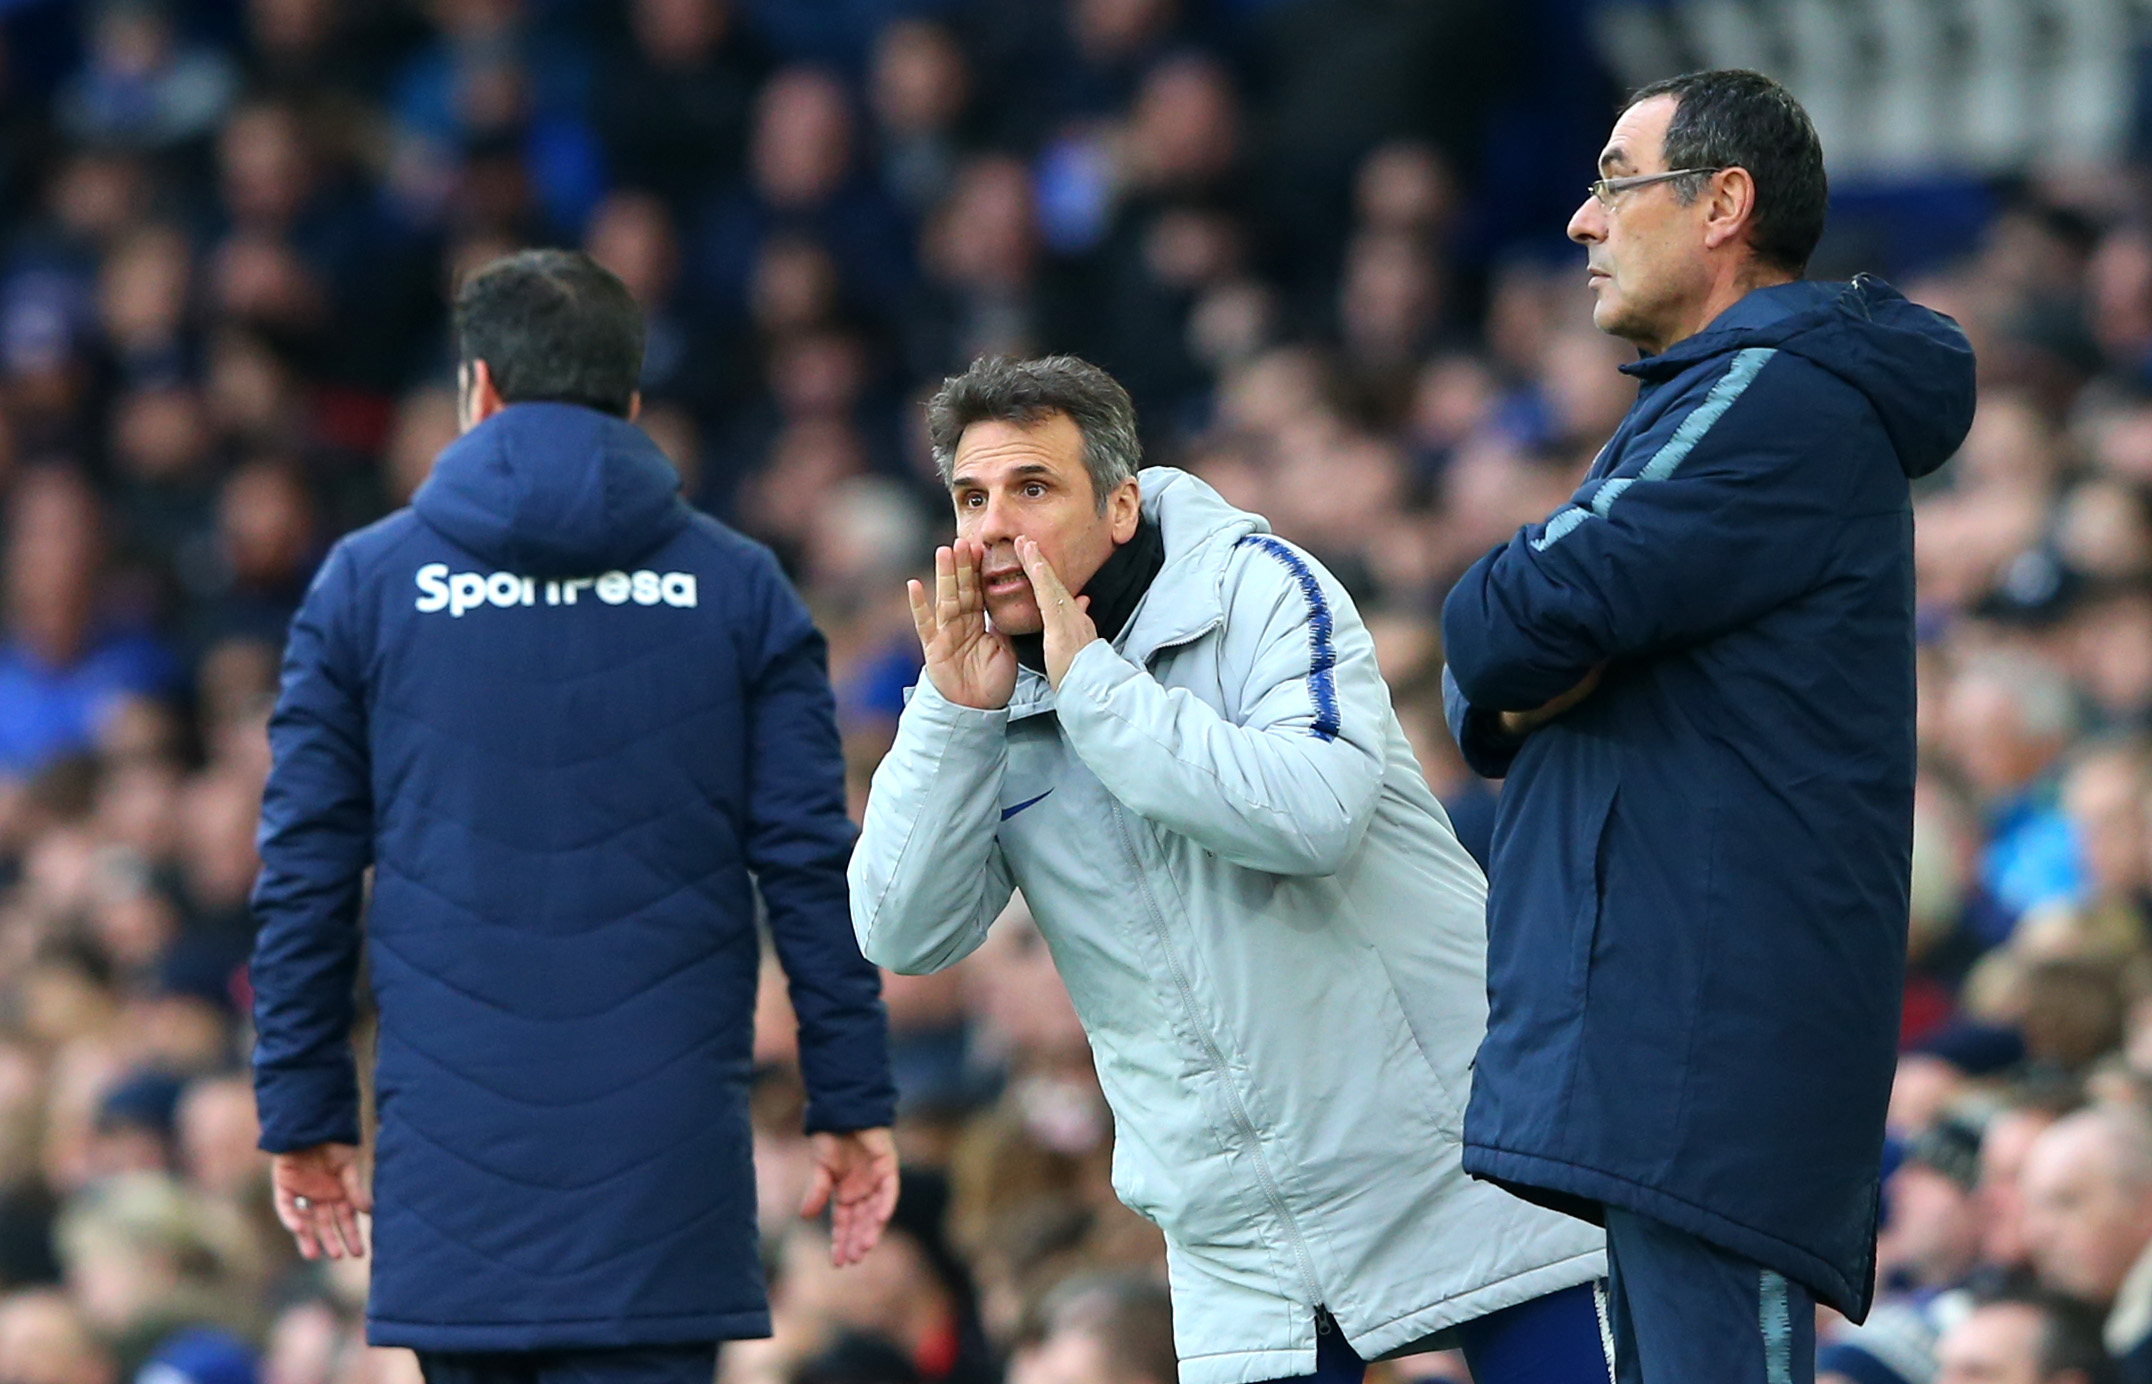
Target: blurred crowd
x,y
227,234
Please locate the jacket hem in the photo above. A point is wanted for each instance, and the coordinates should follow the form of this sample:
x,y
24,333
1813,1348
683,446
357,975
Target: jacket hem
x,y
568,1333
1532,1177
1409,1334
1248,1366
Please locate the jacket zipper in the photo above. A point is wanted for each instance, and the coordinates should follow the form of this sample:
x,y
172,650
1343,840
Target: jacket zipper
x,y
1225,1073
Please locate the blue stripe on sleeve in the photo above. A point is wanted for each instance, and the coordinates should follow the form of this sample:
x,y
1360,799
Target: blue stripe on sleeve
x,y
1676,449
1322,675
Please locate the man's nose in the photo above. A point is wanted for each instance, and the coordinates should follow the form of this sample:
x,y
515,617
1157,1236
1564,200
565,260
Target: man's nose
x,y
1589,224
997,523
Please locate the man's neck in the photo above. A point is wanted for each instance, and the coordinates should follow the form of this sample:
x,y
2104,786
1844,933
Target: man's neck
x,y
1116,589
1730,289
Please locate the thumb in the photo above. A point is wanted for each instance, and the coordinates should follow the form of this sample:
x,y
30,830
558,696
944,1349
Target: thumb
x,y
818,1189
355,1188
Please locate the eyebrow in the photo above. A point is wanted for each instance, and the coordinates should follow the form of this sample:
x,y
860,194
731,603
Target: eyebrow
x,y
1028,470
1614,157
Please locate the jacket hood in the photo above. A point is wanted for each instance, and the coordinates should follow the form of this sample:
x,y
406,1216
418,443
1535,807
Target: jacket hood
x,y
1186,597
1199,529
1913,363
554,490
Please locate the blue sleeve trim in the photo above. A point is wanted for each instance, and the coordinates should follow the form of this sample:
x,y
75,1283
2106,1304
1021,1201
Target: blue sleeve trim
x,y
1322,675
1669,457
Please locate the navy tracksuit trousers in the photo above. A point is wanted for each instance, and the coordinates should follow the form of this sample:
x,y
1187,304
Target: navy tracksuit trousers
x,y
1681,1310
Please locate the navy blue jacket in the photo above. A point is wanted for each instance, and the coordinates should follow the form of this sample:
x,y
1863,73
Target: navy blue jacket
x,y
1697,910
571,725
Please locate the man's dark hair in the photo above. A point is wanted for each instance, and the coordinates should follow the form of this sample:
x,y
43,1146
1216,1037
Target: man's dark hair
x,y
1732,118
999,390
552,326
2069,1333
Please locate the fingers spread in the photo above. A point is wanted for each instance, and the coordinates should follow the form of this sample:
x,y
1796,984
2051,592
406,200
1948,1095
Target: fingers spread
x,y
346,1221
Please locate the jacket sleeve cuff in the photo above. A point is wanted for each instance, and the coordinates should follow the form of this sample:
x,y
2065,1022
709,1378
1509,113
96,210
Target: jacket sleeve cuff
x,y
305,1108
934,709
849,1114
1478,733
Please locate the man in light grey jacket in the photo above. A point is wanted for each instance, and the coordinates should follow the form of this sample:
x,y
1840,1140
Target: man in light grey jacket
x,y
1191,769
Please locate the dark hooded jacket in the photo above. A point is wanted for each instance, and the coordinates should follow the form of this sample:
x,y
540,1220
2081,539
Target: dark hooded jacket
x,y
1697,913
571,725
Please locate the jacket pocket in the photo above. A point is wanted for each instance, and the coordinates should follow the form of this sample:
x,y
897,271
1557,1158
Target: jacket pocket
x,y
1591,895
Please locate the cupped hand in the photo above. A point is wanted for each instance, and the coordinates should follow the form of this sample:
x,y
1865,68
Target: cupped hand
x,y
1066,619
969,663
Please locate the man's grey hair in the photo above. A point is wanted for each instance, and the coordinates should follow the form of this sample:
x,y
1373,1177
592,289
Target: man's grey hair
x,y
998,389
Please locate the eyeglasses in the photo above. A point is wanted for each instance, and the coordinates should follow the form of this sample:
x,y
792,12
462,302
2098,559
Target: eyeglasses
x,y
1604,190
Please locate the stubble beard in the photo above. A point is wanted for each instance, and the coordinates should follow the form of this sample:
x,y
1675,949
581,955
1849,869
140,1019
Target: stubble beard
x,y
1016,615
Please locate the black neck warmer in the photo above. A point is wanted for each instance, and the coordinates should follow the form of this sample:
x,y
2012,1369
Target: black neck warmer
x,y
1115,591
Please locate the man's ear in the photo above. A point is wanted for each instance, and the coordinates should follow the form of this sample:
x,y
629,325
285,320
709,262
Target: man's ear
x,y
1123,508
1729,206
477,399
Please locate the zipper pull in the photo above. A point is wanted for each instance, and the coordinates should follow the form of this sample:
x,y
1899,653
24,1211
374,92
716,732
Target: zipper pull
x,y
1324,1325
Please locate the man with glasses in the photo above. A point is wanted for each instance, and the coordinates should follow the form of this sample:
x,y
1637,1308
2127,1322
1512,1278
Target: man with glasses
x,y
1697,679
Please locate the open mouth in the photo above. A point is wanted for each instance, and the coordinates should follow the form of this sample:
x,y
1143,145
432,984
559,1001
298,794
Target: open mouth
x,y
1003,583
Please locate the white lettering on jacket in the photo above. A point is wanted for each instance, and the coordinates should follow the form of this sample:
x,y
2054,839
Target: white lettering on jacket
x,y
458,592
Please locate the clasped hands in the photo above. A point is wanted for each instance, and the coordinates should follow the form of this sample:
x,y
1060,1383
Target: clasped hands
x,y
969,661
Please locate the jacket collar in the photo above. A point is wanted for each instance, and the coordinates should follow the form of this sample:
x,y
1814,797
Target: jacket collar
x,y
1755,313
1186,600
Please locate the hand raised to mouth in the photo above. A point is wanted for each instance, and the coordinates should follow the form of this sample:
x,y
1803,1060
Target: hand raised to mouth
x,y
969,663
1066,618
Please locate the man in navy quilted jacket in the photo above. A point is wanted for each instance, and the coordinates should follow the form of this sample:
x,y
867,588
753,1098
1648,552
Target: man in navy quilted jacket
x,y
571,726
1696,679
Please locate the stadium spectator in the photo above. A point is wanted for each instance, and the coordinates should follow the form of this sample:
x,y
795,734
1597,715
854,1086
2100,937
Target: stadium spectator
x,y
2005,1142
1932,1239
1896,1345
43,1340
1100,1331
63,666
2011,1339
2087,1185
671,108
2007,721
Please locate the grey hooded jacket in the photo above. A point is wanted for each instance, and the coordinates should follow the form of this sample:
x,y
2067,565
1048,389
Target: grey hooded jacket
x,y
1269,930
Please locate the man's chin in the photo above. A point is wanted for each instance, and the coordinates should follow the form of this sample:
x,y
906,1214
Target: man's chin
x,y
1015,615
